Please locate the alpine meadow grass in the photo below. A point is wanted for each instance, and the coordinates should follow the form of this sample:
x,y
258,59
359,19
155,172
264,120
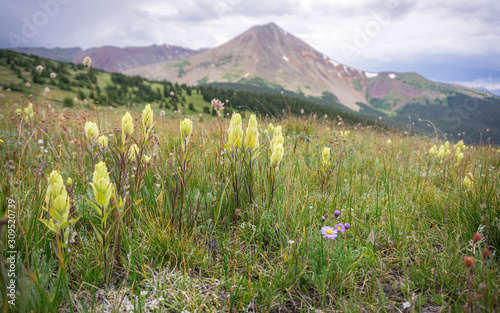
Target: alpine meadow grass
x,y
122,210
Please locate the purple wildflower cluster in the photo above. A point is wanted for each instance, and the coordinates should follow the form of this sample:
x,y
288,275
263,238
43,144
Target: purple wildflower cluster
x,y
332,232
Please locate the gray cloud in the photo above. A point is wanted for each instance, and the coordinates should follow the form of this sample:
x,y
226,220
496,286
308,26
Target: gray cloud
x,y
368,34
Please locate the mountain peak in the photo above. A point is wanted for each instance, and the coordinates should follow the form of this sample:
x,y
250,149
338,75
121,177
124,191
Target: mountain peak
x,y
271,25
270,28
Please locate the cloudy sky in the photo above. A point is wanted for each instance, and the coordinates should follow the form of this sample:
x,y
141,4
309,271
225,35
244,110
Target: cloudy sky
x,y
444,40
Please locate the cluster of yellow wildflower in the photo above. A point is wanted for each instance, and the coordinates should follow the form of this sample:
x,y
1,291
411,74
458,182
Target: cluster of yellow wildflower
x,y
92,133
344,133
28,112
57,204
442,152
459,147
128,130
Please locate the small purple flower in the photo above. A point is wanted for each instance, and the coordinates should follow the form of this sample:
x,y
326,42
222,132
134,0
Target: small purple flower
x,y
328,232
336,213
347,226
340,228
323,218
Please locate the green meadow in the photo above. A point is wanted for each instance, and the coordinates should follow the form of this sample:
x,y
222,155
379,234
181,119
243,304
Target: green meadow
x,y
131,209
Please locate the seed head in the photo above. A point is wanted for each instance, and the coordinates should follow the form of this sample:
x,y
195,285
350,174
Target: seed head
x,y
469,261
87,61
476,237
486,253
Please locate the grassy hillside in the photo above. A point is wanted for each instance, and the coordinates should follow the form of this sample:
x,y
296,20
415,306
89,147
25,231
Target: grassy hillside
x,y
117,90
453,110
71,82
201,228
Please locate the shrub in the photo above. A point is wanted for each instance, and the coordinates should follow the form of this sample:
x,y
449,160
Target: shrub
x,y
68,102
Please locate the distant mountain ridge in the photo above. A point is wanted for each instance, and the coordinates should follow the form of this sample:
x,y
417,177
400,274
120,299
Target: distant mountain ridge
x,y
58,54
115,59
270,56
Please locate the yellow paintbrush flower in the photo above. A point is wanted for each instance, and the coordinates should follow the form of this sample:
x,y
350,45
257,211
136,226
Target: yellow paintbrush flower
x,y
326,156
132,152
235,136
186,129
270,128
468,181
277,156
101,185
147,120
57,201
91,131
127,127
102,141
252,134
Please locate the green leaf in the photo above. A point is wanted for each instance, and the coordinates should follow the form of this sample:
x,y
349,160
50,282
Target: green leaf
x,y
49,225
106,215
97,209
98,235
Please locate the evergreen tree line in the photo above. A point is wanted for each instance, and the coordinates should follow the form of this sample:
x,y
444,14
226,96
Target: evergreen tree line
x,y
275,105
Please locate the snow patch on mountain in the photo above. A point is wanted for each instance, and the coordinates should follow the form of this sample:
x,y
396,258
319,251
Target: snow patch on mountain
x,y
371,75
